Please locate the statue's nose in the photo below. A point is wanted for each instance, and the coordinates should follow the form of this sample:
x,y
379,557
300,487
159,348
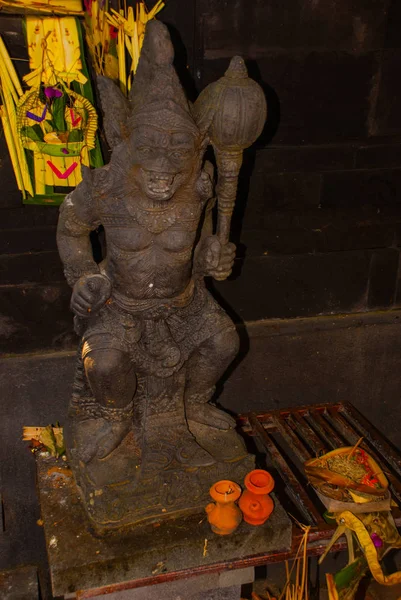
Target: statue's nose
x,y
162,163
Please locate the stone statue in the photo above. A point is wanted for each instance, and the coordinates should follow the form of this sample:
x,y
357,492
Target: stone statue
x,y
143,439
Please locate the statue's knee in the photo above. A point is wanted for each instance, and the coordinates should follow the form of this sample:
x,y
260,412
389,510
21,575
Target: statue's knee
x,y
104,364
232,343
223,346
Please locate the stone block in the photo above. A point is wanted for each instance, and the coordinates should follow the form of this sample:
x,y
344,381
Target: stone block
x,y
285,191
397,301
360,188
386,115
331,234
271,241
231,593
383,278
28,216
10,196
342,25
378,156
282,159
339,235
35,318
393,25
21,241
146,554
37,267
297,285
218,586
250,213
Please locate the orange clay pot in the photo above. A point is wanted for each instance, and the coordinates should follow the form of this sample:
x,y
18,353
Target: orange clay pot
x,y
255,502
224,516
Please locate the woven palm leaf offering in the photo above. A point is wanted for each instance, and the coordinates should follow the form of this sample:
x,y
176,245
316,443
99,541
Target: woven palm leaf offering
x,y
50,128
59,127
45,7
348,478
355,491
115,38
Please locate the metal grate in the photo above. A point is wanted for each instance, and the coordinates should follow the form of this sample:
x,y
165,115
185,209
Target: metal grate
x,y
292,436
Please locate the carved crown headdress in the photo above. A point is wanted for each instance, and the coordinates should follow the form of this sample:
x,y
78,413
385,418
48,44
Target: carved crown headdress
x,y
156,99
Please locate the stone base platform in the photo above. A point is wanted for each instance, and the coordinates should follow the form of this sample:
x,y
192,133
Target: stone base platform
x,y
123,490
85,565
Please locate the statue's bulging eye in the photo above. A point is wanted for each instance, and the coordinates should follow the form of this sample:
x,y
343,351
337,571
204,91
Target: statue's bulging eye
x,y
178,153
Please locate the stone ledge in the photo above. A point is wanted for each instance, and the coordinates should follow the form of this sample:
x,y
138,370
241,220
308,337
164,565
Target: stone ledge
x,y
150,554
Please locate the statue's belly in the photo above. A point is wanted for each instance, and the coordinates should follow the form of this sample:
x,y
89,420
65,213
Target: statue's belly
x,y
151,271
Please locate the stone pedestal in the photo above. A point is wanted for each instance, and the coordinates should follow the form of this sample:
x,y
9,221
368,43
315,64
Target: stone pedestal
x,y
181,554
223,586
151,482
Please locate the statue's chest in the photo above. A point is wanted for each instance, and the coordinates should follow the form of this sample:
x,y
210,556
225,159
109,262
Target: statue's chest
x,y
129,231
137,239
121,215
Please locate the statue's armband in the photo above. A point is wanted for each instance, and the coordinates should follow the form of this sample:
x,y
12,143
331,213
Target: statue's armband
x,y
70,223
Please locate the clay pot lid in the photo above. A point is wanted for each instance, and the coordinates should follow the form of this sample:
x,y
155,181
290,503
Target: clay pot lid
x,y
225,491
259,482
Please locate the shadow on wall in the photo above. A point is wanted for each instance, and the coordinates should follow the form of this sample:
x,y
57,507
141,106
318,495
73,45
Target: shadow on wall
x,y
273,105
181,63
243,338
268,133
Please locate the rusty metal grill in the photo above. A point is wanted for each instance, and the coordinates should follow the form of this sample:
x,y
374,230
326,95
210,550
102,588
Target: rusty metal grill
x,y
290,437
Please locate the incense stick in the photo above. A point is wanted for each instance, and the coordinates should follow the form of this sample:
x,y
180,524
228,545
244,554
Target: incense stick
x,y
355,447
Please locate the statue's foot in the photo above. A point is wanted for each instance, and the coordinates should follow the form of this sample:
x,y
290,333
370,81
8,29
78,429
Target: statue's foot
x,y
86,434
98,437
210,415
193,455
224,446
113,437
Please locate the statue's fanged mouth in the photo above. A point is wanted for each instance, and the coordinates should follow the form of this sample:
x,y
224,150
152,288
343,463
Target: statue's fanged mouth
x,y
158,185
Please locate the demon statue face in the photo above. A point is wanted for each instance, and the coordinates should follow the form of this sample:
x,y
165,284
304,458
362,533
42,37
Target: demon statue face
x,y
164,160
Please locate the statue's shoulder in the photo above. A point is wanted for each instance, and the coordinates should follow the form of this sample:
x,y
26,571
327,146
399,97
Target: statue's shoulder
x,y
109,199
101,178
103,189
93,186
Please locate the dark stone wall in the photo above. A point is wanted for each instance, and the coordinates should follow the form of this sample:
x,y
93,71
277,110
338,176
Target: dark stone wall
x,y
318,217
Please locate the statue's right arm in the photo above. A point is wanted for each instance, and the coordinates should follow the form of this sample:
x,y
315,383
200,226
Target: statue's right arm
x,y
77,219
